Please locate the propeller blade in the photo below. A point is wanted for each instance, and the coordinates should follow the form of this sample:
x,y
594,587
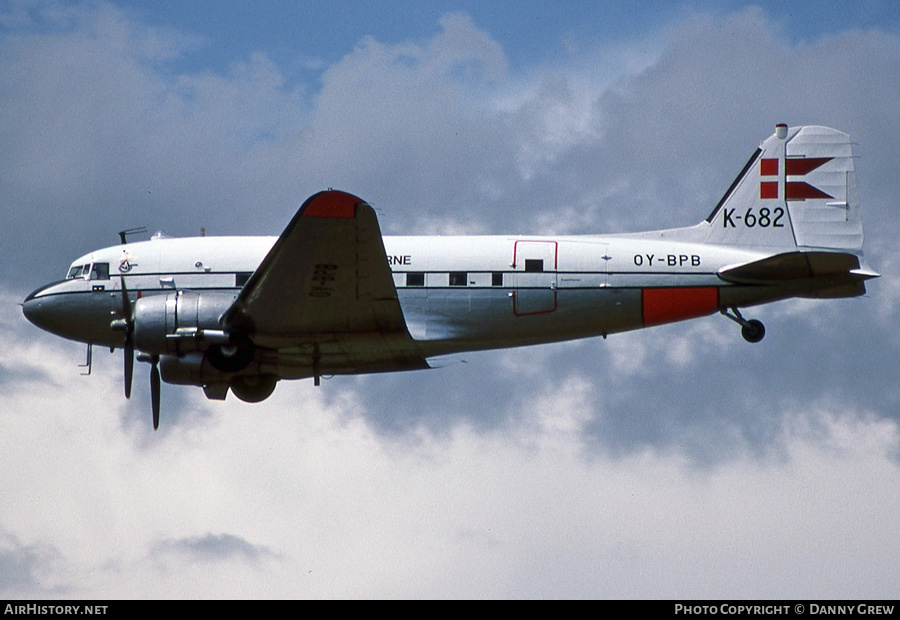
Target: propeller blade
x,y
129,364
126,302
154,391
128,318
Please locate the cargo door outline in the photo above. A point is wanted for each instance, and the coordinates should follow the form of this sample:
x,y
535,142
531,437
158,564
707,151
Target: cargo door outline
x,y
535,264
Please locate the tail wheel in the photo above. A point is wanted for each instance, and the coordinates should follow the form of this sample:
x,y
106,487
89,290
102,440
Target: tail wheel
x,y
253,388
753,331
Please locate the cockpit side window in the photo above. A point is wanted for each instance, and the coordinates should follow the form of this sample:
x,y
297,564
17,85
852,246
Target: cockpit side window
x,y
100,271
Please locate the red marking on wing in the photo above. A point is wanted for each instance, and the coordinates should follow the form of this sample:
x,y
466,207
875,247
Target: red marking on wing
x,y
332,204
667,305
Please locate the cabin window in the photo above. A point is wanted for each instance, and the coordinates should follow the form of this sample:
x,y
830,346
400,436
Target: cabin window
x,y
534,264
416,278
100,271
497,278
240,279
458,278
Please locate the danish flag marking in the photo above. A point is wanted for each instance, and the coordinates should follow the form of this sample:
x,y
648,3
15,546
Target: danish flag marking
x,y
793,166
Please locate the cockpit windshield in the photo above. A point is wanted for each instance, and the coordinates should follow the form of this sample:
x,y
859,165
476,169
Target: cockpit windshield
x,y
97,271
77,270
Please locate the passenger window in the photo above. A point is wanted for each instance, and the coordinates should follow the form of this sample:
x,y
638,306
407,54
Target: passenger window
x,y
497,278
240,278
458,278
415,279
534,264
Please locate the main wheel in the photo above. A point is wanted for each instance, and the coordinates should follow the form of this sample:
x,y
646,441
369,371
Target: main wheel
x,y
253,388
753,331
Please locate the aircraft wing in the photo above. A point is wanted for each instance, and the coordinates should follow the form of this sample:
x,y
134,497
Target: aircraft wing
x,y
326,285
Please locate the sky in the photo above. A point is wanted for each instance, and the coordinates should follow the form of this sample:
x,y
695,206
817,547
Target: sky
x,y
674,462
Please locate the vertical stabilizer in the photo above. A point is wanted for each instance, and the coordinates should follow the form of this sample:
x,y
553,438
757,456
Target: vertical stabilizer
x,y
797,190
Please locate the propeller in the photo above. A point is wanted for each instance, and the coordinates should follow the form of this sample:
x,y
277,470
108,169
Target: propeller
x,y
126,325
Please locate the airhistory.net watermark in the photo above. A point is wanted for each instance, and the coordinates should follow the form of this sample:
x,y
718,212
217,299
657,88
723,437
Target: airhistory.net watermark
x,y
32,609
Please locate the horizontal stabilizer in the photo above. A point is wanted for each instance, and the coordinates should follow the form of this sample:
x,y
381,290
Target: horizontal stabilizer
x,y
842,270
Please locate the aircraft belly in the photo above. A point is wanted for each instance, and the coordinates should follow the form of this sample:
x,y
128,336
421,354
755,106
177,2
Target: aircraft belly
x,y
742,296
343,354
455,321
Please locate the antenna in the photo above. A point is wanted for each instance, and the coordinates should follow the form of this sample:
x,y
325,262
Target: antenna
x,y
130,231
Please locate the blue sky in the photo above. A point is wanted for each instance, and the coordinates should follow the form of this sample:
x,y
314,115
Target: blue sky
x,y
301,35
674,462
531,32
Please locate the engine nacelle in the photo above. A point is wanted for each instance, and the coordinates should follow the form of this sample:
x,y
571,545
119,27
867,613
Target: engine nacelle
x,y
180,322
196,369
190,369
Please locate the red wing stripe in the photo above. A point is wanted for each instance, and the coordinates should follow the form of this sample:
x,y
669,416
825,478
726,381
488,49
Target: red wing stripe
x,y
332,204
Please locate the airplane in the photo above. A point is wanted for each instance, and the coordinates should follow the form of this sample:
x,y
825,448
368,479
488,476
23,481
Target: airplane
x,y
332,296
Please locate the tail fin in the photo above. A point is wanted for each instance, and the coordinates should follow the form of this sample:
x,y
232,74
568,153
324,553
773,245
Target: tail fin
x,y
798,190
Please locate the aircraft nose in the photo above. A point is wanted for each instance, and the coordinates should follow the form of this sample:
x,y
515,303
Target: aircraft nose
x,y
66,309
35,310
45,311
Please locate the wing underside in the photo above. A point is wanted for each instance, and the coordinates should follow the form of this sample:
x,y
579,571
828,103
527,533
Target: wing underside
x,y
325,292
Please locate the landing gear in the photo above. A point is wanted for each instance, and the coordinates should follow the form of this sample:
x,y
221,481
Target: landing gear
x,y
752,330
253,388
232,356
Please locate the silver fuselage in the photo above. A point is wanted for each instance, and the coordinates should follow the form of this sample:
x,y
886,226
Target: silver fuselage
x,y
457,293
